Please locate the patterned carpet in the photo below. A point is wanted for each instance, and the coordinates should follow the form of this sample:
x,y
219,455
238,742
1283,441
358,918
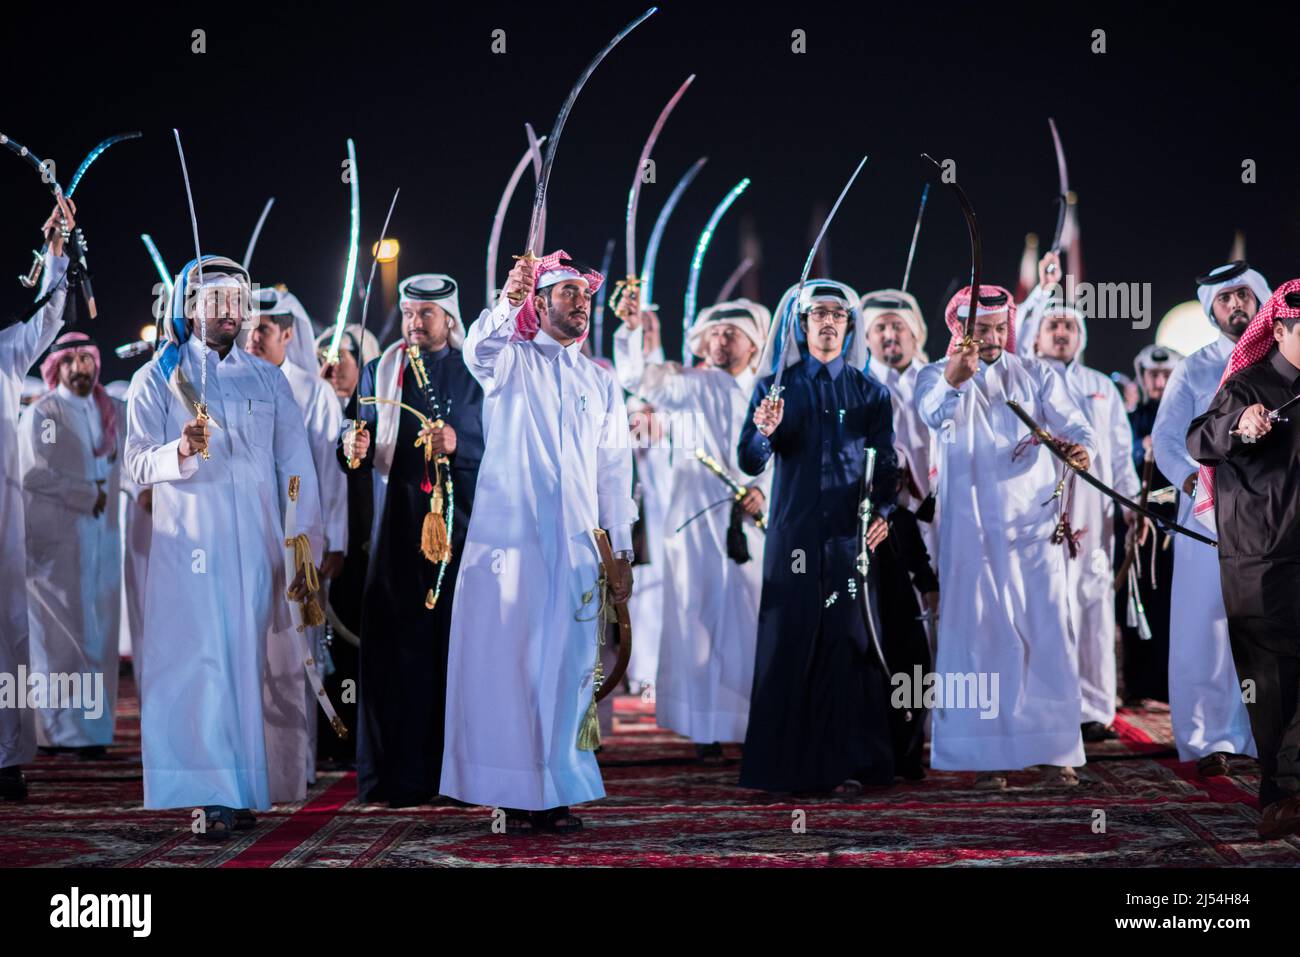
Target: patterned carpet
x,y
1137,806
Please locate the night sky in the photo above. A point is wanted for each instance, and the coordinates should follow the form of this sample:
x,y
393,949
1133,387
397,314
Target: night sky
x,y
1155,131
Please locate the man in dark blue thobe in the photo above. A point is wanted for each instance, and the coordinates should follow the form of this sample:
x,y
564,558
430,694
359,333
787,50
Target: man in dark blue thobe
x,y
819,710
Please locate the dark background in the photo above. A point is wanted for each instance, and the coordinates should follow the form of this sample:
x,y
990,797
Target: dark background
x,y
1155,131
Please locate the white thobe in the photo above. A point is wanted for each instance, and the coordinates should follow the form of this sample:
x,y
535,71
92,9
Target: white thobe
x,y
557,464
137,529
292,744
1092,573
1003,610
646,606
1205,705
710,603
216,584
73,569
21,344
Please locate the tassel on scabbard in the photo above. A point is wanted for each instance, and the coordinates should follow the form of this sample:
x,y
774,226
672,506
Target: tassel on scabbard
x,y
312,614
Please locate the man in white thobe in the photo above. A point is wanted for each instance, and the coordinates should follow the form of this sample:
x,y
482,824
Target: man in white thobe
x,y
896,336
216,562
282,335
70,453
1004,628
710,602
20,345
524,624
1206,709
1057,334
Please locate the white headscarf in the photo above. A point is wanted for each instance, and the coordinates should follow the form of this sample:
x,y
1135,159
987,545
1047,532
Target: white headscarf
x,y
1035,310
1230,276
855,344
884,302
749,317
438,288
353,337
279,301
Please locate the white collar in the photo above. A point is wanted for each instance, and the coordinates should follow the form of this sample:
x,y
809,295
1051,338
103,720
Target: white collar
x,y
70,396
551,348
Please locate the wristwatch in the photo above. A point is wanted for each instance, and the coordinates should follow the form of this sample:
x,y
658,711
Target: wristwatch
x,y
626,555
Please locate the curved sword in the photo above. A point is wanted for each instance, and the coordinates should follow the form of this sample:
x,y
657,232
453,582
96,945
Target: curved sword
x,y
349,276
539,200
1044,437
656,234
697,261
1063,181
916,234
787,327
166,277
976,247
200,300
498,220
535,148
733,280
634,194
257,232
94,155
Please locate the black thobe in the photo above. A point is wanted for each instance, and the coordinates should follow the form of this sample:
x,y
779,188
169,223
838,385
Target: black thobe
x,y
1258,514
904,565
819,707
402,692
1146,662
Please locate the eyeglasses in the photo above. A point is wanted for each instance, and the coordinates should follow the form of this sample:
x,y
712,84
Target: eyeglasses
x,y
835,315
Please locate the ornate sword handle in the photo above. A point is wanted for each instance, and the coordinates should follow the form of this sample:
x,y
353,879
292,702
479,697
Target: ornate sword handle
x,y
201,413
526,257
358,425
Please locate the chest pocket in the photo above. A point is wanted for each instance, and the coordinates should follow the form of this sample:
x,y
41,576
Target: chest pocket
x,y
255,422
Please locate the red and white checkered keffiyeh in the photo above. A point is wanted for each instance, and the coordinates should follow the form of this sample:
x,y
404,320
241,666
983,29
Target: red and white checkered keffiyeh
x,y
527,323
73,342
962,301
1255,343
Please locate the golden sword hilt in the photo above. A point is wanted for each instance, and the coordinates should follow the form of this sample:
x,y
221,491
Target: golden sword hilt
x,y
201,414
358,425
33,275
527,257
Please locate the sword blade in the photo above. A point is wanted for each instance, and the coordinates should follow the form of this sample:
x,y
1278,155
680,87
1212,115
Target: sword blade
x,y
1063,182
733,280
634,195
916,234
535,147
383,234
786,322
598,315
199,306
94,155
656,234
976,246
539,200
257,232
354,239
498,220
701,247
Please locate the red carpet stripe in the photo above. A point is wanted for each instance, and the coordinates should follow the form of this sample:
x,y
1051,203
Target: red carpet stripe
x,y
300,826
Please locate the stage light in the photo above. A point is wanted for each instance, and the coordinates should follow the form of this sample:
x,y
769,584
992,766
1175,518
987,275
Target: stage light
x,y
1186,328
386,252
149,333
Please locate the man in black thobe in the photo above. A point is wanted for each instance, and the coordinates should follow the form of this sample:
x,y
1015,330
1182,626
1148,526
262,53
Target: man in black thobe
x,y
1256,462
818,714
1146,660
402,688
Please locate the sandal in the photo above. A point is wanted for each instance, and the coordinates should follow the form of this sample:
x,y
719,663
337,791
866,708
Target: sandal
x,y
245,820
991,781
519,823
1212,765
1059,776
557,820
1280,819
219,823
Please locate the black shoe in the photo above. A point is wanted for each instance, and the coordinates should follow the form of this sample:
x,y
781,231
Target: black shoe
x,y
557,820
93,752
1094,731
13,785
410,800
709,752
1213,765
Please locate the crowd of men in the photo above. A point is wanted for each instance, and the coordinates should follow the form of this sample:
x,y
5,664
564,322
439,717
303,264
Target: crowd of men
x,y
879,553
